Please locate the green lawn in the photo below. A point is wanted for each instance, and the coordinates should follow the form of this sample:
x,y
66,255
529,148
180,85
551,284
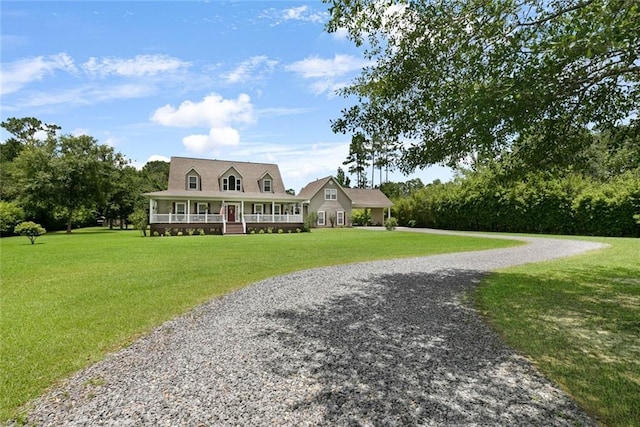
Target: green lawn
x,y
578,319
69,299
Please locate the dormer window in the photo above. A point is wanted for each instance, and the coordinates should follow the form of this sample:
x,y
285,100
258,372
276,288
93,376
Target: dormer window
x,y
266,185
231,183
193,182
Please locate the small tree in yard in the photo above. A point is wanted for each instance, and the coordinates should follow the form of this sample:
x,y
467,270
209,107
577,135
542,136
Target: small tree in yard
x,y
30,229
140,220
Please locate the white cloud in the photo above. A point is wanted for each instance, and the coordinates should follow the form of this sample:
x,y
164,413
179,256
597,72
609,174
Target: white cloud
x,y
315,67
87,94
300,13
214,112
80,132
158,158
326,72
14,76
253,68
141,65
217,137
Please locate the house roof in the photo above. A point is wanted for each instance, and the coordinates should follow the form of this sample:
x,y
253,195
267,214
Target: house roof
x,y
368,198
211,172
360,197
310,190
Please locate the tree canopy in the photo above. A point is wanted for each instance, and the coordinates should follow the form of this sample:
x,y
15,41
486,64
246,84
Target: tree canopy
x,y
54,178
460,78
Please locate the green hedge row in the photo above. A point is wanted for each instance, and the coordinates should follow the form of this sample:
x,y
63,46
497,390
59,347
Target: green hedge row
x,y
538,203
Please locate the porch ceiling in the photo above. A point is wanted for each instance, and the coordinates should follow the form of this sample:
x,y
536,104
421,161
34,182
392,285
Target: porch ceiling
x,y
222,195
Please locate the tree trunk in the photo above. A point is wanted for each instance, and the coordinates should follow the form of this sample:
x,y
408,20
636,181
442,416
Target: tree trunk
x,y
69,222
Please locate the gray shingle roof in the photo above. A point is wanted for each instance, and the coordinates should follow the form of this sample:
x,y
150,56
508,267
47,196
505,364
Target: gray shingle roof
x,y
360,197
210,172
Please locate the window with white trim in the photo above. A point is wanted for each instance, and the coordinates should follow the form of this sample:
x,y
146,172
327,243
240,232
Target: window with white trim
x,y
340,217
258,208
203,208
231,183
320,217
266,185
277,209
193,182
181,208
330,194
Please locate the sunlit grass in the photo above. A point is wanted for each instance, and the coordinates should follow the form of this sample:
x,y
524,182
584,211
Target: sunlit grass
x,y
578,319
69,299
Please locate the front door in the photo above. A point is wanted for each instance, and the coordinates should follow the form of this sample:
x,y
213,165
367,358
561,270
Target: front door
x,y
231,213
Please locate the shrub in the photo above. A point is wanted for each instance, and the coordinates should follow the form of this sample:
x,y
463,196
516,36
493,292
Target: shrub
x,y
156,234
361,217
179,233
10,215
269,230
167,232
30,230
311,220
298,230
280,231
391,223
190,231
201,231
261,231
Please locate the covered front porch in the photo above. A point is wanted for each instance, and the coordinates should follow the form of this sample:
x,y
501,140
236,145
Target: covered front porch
x,y
170,216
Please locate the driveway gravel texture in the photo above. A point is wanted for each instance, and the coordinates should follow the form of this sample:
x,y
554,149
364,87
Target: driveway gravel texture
x,y
383,343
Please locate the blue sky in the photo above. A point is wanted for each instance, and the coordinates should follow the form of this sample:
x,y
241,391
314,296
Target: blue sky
x,y
245,80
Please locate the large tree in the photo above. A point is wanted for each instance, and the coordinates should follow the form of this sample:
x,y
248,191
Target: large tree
x,y
470,78
357,159
65,175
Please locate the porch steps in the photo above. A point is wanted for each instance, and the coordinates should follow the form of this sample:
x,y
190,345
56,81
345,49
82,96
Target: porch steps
x,y
234,229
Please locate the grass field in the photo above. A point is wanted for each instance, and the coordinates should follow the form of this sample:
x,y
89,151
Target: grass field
x,y
578,319
69,299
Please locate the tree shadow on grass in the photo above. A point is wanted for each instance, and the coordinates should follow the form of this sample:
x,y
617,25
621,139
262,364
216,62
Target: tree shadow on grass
x,y
406,350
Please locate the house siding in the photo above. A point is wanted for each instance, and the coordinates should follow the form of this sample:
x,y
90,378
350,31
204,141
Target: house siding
x,y
331,207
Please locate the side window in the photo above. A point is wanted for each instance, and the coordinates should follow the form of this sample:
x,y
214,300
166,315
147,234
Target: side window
x,y
266,185
258,209
320,217
340,217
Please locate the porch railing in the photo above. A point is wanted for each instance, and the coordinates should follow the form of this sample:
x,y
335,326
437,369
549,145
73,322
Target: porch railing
x,y
185,219
217,218
286,218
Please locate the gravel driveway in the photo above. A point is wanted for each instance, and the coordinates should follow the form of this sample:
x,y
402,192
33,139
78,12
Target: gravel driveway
x,y
379,343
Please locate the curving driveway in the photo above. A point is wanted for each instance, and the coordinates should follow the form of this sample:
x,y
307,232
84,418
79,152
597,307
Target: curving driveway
x,y
381,343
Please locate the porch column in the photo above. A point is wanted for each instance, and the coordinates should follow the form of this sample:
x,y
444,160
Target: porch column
x,y
273,209
188,211
242,208
151,211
